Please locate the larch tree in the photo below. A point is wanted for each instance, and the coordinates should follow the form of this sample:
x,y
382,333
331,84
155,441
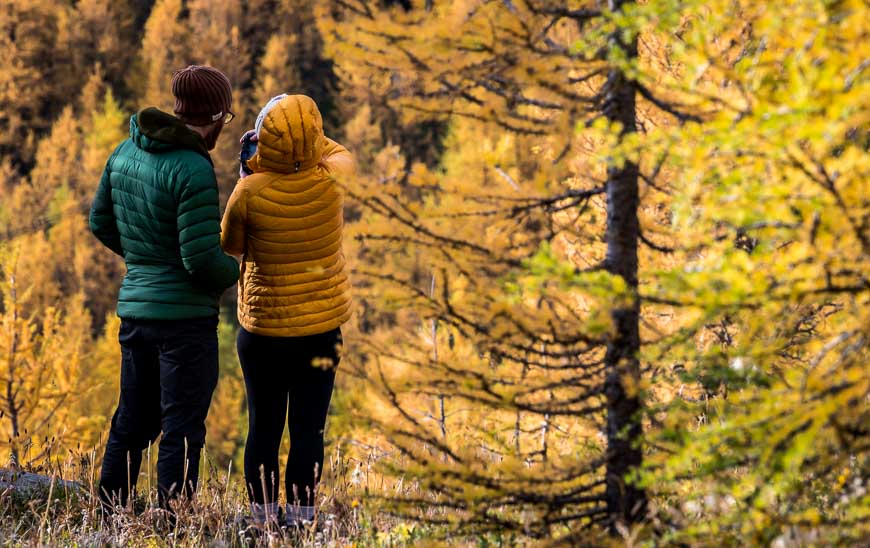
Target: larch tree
x,y
219,42
53,203
31,93
291,59
469,251
227,422
40,357
223,46
92,412
51,175
769,292
104,33
317,78
702,160
164,49
278,71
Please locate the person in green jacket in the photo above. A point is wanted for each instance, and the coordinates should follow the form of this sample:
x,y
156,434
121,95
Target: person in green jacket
x,y
157,206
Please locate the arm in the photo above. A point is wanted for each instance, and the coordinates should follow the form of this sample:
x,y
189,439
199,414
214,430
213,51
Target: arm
x,y
199,233
102,217
337,159
233,237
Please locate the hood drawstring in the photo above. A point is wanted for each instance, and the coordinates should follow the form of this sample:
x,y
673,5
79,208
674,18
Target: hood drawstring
x,y
297,165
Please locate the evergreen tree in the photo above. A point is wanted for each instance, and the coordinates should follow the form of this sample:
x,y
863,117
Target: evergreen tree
x,y
549,284
165,49
40,380
31,94
544,361
216,24
769,275
278,71
104,33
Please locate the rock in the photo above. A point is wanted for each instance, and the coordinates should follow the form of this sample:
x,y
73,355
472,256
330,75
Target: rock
x,y
27,482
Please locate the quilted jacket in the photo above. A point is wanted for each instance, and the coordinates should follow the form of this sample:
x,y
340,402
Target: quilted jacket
x,y
157,206
286,222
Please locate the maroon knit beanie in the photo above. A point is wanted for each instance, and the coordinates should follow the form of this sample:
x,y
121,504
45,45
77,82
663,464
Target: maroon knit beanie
x,y
203,95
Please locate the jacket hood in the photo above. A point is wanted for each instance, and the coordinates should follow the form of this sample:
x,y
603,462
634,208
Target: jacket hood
x,y
291,138
153,130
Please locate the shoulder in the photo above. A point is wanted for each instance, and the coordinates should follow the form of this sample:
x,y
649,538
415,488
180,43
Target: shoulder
x,y
178,164
188,168
125,151
124,147
255,183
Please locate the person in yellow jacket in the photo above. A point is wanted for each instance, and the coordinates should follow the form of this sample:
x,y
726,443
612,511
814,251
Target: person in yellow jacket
x,y
285,220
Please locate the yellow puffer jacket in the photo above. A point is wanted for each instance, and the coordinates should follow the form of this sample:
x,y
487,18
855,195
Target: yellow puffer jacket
x,y
286,221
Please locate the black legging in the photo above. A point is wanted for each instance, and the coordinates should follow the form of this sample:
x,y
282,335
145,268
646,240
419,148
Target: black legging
x,y
278,370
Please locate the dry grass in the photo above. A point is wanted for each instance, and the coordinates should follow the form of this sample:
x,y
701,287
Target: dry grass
x,y
64,516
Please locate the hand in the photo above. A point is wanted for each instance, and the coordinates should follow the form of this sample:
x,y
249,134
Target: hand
x,y
253,136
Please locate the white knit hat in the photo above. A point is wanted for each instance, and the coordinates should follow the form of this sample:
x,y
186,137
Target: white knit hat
x,y
262,116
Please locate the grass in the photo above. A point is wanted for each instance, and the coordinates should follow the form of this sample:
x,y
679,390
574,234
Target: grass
x,y
63,516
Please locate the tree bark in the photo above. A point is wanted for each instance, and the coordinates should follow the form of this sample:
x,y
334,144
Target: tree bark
x,y
11,400
626,503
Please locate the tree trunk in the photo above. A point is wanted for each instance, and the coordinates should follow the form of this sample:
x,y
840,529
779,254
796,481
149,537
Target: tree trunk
x,y
625,503
11,407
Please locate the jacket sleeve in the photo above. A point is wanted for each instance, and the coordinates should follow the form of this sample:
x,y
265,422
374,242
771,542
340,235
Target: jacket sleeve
x,y
199,233
102,217
233,237
337,159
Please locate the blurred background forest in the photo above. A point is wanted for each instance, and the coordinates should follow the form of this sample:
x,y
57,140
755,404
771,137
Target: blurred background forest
x,y
610,259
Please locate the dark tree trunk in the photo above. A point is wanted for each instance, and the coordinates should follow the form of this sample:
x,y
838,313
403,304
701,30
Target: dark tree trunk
x,y
625,503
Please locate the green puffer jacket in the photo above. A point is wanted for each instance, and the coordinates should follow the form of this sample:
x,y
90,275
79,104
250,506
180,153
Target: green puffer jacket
x,y
157,206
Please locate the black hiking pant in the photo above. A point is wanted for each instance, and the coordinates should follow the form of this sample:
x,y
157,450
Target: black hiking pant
x,y
280,373
169,370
